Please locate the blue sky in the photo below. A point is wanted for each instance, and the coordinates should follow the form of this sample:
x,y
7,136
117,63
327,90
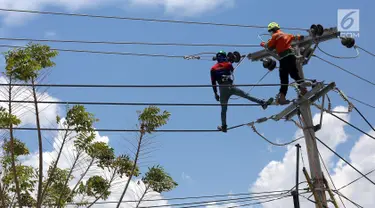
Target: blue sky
x,y
215,162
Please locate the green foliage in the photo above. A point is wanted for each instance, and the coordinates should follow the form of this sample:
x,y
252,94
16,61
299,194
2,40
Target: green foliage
x,y
27,200
57,187
18,146
81,120
151,118
83,141
123,164
103,153
6,119
159,180
25,63
96,186
26,178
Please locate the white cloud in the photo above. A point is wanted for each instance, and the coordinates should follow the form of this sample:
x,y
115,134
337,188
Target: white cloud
x,y
185,8
49,34
277,175
280,175
174,7
26,111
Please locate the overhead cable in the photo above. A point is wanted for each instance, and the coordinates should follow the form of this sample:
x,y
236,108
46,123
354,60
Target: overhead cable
x,y
133,43
128,103
362,102
109,52
348,163
372,54
345,70
359,178
137,86
140,19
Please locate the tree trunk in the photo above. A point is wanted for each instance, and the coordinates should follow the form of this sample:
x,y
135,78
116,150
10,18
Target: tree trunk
x,y
143,195
12,146
110,182
40,142
2,197
67,179
82,176
49,180
133,169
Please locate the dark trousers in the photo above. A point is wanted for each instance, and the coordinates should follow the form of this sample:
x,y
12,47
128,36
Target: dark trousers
x,y
225,93
288,66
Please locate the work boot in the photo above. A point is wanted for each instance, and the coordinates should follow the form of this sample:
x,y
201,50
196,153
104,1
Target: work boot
x,y
282,100
222,128
265,104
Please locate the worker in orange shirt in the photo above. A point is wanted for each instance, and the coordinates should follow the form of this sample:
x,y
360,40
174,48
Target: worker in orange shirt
x,y
282,43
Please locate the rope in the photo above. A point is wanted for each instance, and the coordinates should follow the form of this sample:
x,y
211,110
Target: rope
x,y
133,43
140,19
345,70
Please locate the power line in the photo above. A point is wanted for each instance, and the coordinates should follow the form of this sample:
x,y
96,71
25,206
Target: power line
x,y
134,43
372,54
105,52
362,102
119,130
355,180
364,118
330,178
140,19
363,175
358,129
137,86
345,70
128,104
195,197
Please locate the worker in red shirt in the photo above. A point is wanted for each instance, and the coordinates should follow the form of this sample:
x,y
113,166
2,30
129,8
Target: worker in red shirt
x,y
221,73
282,43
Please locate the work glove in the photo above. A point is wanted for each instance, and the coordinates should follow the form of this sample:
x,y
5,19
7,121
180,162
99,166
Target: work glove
x,y
262,44
217,97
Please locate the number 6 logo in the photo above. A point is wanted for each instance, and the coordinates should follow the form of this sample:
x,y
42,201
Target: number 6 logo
x,y
348,20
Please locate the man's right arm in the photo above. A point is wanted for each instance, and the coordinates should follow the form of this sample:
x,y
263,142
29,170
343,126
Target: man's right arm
x,y
213,81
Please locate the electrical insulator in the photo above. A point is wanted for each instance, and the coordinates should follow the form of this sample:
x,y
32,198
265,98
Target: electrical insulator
x,y
317,30
269,64
233,57
348,42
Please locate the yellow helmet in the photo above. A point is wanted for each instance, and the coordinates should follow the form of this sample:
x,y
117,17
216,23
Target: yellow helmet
x,y
273,26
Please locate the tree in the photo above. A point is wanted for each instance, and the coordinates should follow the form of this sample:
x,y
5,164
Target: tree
x,y
149,120
25,176
25,64
156,179
8,120
24,185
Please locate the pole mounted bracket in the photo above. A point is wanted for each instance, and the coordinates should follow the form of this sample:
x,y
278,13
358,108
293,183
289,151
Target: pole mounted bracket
x,y
313,95
316,35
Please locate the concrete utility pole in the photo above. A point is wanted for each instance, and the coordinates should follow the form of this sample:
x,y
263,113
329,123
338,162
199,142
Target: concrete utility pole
x,y
304,51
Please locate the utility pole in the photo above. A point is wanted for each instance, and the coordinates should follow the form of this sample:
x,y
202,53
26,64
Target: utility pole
x,y
304,51
295,193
